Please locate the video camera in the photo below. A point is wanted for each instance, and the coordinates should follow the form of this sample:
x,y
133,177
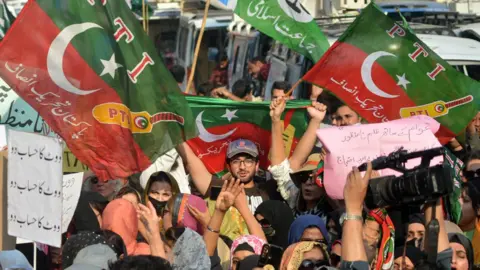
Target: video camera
x,y
416,186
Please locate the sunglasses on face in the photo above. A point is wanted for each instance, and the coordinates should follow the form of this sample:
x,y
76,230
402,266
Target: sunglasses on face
x,y
320,241
471,174
94,180
264,223
313,265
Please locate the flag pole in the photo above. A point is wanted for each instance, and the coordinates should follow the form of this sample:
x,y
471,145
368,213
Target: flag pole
x,y
143,16
289,93
197,48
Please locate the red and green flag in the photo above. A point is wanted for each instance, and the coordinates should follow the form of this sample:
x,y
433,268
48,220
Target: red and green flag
x,y
384,72
286,21
94,76
220,122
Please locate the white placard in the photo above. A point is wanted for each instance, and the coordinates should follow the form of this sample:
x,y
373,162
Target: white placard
x,y
72,186
35,187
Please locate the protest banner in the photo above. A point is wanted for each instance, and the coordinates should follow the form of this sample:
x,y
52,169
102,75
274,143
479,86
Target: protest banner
x,y
16,114
354,145
35,187
7,242
72,186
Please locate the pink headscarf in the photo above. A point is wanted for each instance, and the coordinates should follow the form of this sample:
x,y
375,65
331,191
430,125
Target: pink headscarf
x,y
120,217
181,217
255,242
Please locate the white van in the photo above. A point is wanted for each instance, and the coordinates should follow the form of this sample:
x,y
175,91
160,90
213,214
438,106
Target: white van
x,y
214,42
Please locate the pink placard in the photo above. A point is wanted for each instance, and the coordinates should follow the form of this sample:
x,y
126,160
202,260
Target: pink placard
x,y
354,145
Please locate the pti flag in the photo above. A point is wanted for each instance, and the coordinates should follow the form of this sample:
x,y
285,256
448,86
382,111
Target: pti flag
x,y
220,122
384,72
6,18
286,21
94,76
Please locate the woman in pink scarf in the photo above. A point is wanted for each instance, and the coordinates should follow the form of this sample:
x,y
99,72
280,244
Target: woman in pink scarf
x,y
120,217
243,247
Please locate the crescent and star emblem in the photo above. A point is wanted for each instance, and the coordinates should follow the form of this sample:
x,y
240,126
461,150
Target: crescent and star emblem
x,y
206,136
56,53
366,73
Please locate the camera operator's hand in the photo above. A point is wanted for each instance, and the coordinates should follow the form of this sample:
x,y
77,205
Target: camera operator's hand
x,y
356,189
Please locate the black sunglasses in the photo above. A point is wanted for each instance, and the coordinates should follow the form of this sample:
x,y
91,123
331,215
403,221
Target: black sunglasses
x,y
302,177
94,180
264,223
321,241
313,265
471,174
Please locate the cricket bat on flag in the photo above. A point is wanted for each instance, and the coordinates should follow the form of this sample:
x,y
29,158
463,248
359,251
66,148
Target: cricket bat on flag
x,y
435,109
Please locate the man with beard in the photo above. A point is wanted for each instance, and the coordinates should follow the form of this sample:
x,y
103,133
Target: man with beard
x,y
242,163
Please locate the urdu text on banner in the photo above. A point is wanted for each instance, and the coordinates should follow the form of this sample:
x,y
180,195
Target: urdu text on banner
x,y
35,187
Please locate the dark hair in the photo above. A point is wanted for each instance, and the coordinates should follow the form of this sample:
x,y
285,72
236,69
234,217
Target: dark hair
x,y
281,85
244,246
178,73
174,233
114,241
241,88
99,206
205,89
257,59
223,58
128,190
160,177
140,262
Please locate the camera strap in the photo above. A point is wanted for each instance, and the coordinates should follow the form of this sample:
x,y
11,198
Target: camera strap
x,y
433,229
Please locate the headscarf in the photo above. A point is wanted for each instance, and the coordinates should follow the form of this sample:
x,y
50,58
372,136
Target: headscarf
x,y
161,175
292,257
248,263
181,217
96,256
280,216
413,253
190,252
385,252
302,223
84,218
253,241
120,217
13,259
78,242
462,240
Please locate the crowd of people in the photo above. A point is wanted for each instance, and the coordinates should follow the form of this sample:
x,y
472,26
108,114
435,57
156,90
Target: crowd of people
x,y
177,215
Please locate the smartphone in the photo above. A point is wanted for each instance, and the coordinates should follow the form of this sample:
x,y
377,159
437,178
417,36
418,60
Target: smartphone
x,y
214,192
272,255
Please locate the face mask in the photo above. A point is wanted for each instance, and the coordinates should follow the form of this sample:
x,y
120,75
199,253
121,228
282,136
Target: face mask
x,y
159,206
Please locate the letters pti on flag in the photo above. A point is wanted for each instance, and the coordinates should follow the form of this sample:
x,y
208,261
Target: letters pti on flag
x,y
286,21
385,72
95,77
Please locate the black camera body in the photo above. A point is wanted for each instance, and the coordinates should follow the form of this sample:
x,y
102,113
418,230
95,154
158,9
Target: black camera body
x,y
421,184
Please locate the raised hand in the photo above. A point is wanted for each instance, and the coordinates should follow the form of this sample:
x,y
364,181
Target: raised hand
x,y
277,106
229,193
317,111
316,91
202,217
150,220
356,189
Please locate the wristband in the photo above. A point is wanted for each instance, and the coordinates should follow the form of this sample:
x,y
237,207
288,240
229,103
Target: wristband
x,y
212,230
352,217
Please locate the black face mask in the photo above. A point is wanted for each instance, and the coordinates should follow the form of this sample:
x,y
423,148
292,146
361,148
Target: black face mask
x,y
159,206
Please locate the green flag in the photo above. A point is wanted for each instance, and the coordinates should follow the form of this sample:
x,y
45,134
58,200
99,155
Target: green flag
x,y
92,73
286,21
384,72
220,122
6,19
